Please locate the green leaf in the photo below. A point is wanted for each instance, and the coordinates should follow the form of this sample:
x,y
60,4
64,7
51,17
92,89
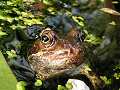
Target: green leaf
x,y
106,80
113,23
16,10
79,20
9,19
117,75
9,3
11,54
93,39
48,2
7,79
2,17
31,21
2,34
21,85
17,26
69,85
38,82
60,87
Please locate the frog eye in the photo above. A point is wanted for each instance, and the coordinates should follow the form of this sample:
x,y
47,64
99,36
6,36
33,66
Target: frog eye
x,y
45,38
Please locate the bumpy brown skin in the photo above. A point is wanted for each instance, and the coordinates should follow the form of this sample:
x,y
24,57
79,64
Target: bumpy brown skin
x,y
55,56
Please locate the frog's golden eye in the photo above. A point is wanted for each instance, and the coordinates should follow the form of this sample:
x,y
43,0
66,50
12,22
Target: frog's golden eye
x,y
45,38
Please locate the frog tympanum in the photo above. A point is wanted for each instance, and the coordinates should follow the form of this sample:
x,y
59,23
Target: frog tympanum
x,y
52,54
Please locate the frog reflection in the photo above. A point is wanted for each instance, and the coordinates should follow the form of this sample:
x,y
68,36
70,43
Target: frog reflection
x,y
52,55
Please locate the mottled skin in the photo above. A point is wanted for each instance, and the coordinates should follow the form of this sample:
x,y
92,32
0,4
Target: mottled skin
x,y
51,54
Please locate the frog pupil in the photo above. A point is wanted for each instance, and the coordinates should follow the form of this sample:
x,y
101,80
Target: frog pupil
x,y
44,38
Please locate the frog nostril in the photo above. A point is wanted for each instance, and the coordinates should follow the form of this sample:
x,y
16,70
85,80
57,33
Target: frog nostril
x,y
71,50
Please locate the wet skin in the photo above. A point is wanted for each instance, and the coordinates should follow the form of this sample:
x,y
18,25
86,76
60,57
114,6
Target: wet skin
x,y
52,54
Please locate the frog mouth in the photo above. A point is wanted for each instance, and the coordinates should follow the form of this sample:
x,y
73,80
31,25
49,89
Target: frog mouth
x,y
54,62
58,59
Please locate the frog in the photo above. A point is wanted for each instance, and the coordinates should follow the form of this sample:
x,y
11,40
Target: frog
x,y
52,55
56,54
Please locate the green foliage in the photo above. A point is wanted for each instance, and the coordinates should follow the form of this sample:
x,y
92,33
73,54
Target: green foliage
x,y
117,73
48,2
2,34
11,54
38,82
91,38
16,15
106,80
8,80
68,86
21,85
79,20
60,87
101,32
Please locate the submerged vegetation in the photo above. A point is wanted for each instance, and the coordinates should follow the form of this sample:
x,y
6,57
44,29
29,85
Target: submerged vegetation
x,y
101,28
